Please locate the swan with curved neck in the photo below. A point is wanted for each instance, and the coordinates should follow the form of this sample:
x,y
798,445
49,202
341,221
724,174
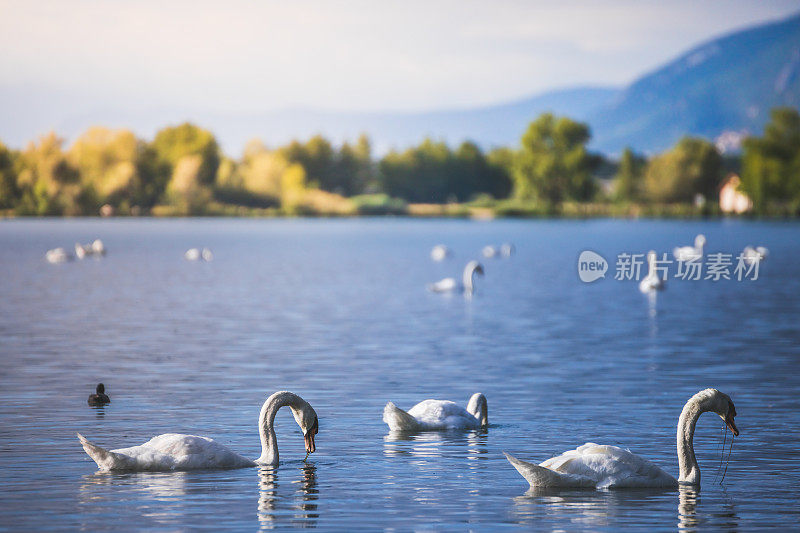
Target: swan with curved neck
x,y
603,467
438,414
651,282
687,253
467,284
172,451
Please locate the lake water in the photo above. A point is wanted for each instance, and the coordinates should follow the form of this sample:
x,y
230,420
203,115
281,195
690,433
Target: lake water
x,y
337,311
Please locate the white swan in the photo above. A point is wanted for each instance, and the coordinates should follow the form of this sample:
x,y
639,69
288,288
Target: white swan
x,y
687,253
467,280
752,255
57,255
490,251
172,451
440,252
507,249
606,467
438,414
192,254
651,282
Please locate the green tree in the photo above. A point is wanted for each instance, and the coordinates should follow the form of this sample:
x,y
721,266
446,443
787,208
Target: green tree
x,y
771,164
9,191
116,165
49,185
628,179
553,163
174,143
692,167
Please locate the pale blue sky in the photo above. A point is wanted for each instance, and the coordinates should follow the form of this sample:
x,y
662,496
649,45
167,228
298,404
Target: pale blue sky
x,y
245,55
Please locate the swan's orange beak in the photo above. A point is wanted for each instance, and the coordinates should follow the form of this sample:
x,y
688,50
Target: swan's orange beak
x,y
731,424
310,448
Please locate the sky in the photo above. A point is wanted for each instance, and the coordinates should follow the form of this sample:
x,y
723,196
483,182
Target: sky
x,y
68,64
411,55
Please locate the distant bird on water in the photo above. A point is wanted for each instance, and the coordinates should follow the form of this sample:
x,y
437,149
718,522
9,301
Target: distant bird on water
x,y
99,397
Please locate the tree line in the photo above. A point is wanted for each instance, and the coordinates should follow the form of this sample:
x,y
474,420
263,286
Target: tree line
x,y
183,171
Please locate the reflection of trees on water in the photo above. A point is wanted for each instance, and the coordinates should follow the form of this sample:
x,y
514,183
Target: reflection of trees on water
x,y
292,502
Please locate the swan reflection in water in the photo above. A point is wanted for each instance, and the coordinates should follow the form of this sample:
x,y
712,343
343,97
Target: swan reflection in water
x,y
170,488
293,504
426,444
723,515
615,508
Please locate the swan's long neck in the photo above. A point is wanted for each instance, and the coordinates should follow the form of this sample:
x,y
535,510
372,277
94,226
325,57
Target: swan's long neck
x,y
469,276
269,441
689,471
478,408
651,265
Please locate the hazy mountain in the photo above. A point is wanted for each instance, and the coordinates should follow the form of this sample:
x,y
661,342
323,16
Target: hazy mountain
x,y
727,84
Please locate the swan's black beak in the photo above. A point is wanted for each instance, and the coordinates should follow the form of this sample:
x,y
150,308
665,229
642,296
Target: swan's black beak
x,y
731,424
310,448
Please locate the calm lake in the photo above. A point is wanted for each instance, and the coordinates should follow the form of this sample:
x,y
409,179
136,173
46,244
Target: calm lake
x,y
337,311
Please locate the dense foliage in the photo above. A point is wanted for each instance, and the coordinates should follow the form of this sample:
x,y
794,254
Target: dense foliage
x,y
183,171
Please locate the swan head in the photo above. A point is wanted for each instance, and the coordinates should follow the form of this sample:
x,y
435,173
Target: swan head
x,y
478,407
101,389
700,241
720,403
306,418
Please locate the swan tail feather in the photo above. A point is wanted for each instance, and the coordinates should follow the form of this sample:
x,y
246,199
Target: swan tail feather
x,y
399,420
537,476
105,459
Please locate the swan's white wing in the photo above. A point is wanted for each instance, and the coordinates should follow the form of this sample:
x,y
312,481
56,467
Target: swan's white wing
x,y
445,285
539,476
686,253
399,420
609,467
170,451
443,414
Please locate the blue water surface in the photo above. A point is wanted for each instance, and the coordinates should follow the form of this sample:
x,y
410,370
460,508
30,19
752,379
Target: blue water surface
x,y
337,311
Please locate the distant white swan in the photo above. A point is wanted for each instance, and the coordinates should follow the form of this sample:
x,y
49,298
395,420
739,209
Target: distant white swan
x,y
752,255
507,249
173,451
192,254
438,414
606,467
651,282
207,255
467,280
490,251
57,255
440,252
687,253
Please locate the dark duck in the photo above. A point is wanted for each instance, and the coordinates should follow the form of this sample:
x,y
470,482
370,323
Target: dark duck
x,y
99,397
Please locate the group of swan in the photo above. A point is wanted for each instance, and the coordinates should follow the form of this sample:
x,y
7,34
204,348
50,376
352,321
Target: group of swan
x,y
195,254
653,282
173,451
467,284
95,248
60,255
590,465
504,250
